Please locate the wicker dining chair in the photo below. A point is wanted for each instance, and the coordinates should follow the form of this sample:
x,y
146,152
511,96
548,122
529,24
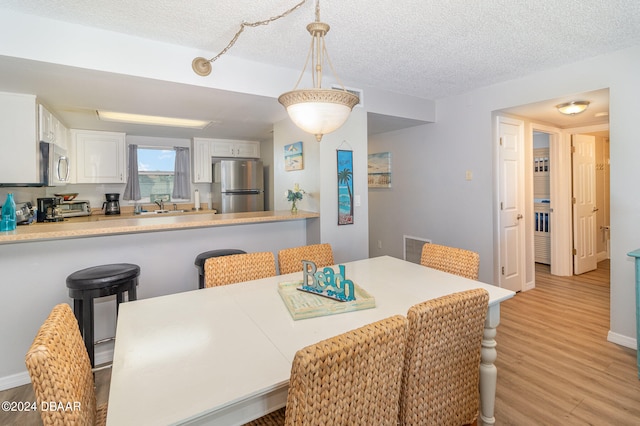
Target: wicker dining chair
x,y
60,371
350,379
290,260
464,263
238,267
442,362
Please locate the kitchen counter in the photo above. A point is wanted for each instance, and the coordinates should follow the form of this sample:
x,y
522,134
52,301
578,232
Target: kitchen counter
x,y
37,259
99,225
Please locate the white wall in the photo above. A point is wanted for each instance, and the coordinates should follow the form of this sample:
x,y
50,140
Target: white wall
x,y
431,198
319,179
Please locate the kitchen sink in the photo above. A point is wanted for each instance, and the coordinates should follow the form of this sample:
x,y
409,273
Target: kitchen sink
x,y
160,212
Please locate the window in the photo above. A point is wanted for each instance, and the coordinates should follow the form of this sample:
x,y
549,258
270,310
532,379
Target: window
x,y
155,171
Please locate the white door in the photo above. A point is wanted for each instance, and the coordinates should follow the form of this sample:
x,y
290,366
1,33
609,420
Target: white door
x,y
511,207
584,207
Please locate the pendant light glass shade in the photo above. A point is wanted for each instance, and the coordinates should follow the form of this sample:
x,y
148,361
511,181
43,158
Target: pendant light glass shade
x,y
316,110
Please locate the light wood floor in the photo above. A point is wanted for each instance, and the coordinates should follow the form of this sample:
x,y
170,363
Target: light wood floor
x,y
555,366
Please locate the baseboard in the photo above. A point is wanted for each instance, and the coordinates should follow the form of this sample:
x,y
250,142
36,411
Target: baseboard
x,y
19,379
622,340
14,380
603,255
529,285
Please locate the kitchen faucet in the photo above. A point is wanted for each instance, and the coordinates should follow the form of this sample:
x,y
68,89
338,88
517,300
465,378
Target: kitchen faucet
x,y
160,204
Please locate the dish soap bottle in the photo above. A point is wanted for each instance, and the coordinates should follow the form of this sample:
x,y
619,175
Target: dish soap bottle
x,y
8,222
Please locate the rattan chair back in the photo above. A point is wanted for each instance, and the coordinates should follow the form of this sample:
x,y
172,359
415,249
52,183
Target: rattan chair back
x,y
442,362
464,263
290,260
61,374
238,267
350,379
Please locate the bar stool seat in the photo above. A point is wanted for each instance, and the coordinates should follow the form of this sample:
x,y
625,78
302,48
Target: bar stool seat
x,y
202,258
99,281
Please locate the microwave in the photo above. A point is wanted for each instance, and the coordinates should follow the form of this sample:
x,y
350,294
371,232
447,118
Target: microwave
x,y
75,208
54,165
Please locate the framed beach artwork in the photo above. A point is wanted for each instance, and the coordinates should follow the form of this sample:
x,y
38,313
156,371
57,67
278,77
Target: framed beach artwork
x,y
379,170
345,187
293,157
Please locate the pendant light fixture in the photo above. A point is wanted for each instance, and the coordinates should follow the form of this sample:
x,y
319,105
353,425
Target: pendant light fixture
x,y
315,110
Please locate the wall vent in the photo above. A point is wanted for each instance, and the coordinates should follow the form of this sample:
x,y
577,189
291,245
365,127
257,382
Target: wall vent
x,y
413,248
357,92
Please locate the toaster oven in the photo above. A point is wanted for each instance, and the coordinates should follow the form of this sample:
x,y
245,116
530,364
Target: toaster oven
x,y
75,208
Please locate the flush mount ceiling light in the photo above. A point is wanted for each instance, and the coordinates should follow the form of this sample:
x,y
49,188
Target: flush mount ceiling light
x,y
152,120
315,110
573,108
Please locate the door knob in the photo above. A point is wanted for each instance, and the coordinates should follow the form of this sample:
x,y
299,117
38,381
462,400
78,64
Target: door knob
x,y
519,216
595,209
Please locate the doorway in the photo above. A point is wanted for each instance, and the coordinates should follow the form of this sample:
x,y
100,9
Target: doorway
x,y
541,198
556,218
557,193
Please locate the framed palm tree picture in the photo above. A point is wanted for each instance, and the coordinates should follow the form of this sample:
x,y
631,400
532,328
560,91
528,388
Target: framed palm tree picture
x,y
345,187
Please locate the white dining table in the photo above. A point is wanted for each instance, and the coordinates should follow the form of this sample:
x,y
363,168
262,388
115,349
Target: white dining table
x,y
223,355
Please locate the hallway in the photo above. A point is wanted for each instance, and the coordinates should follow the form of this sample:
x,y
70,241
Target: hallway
x,y
555,365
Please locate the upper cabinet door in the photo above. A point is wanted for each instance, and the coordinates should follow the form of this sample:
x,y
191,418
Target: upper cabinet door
x,y
50,129
100,156
18,139
247,149
235,148
201,160
47,125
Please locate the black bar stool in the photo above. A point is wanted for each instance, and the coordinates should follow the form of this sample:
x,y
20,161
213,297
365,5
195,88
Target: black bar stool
x,y
99,281
202,257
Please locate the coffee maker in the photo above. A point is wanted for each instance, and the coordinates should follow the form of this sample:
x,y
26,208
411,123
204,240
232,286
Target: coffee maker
x,y
112,205
49,210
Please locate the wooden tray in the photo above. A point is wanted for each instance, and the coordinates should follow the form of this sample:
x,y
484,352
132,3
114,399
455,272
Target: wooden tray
x,y
303,305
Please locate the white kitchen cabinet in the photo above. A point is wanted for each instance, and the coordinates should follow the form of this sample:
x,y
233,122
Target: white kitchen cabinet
x,y
47,125
50,129
100,157
62,135
202,149
235,148
19,147
201,160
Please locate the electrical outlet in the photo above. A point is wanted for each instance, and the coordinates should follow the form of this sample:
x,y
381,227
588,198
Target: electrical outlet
x,y
379,244
468,175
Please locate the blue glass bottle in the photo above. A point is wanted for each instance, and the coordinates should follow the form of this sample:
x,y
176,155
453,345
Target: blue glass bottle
x,y
8,221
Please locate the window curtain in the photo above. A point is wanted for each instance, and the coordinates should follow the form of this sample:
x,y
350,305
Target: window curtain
x,y
181,186
132,190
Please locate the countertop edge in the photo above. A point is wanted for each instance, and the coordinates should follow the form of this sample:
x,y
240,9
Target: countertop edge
x,y
129,225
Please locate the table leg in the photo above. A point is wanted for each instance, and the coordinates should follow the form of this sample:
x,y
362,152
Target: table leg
x,y
488,370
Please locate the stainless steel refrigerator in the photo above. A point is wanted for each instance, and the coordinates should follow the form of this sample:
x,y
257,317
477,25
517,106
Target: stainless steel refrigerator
x,y
238,186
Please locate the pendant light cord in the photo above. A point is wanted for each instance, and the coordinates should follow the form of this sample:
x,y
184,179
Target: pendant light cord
x,y
243,25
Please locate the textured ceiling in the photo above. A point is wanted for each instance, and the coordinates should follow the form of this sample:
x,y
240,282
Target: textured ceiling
x,y
420,47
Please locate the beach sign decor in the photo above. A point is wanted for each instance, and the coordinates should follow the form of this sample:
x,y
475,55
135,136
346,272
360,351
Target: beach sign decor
x,y
327,282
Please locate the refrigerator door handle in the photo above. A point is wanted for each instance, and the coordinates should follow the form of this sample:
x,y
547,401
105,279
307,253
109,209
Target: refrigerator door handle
x,y
243,191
